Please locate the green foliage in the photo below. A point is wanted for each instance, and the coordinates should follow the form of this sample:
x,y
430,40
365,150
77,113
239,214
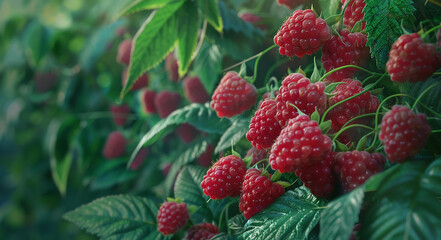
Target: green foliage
x,y
141,5
187,35
383,25
37,40
210,9
292,216
207,64
329,7
233,134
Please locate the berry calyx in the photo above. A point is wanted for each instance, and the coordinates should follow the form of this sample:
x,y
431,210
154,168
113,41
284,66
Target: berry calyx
x,y
172,216
264,127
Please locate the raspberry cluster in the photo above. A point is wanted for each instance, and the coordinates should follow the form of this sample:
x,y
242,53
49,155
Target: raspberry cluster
x,y
353,13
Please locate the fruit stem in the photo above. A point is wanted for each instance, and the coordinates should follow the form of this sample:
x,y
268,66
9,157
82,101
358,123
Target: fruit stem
x,y
258,60
348,66
248,59
423,93
436,131
358,117
351,126
430,30
273,67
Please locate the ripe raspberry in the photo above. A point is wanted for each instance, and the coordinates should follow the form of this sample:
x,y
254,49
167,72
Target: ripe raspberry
x,y
353,13
203,231
319,177
303,33
115,145
172,216
166,102
253,19
342,113
139,159
300,143
187,132
412,60
291,4
403,133
354,167
120,113
148,101
264,127
205,158
350,49
258,156
141,82
124,51
171,65
45,81
296,89
233,96
224,178
258,192
194,90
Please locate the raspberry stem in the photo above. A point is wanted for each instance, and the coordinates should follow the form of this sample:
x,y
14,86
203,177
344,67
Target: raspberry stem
x,y
423,93
348,66
258,60
429,31
351,126
360,116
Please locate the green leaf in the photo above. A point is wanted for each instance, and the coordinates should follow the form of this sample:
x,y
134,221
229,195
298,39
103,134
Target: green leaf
x,y
97,44
383,25
111,173
153,41
141,5
208,65
407,205
210,9
340,215
233,134
117,217
292,216
329,7
36,39
188,35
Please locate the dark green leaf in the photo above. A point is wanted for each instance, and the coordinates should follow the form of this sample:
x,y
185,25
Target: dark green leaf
x,y
141,5
36,38
340,215
208,65
233,134
292,216
188,35
117,217
210,9
329,7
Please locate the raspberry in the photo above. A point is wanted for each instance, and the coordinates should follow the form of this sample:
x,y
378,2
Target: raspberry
x,y
258,156
353,13
319,177
171,65
233,96
350,49
203,231
141,82
296,89
148,101
403,133
412,60
120,113
291,4
253,19
45,81
187,132
166,102
264,127
258,192
124,51
302,33
205,158
115,145
355,167
172,216
194,90
300,143
139,159
224,178
343,112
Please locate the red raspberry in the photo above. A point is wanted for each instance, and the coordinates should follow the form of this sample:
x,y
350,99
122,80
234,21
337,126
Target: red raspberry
x,y
403,133
233,96
296,89
343,112
302,33
258,156
194,90
224,178
203,231
124,51
120,113
353,13
253,19
412,60
115,145
205,158
172,216
319,177
300,143
45,81
264,127
141,82
148,101
166,102
171,65
258,192
291,4
354,168
348,49
139,159
187,132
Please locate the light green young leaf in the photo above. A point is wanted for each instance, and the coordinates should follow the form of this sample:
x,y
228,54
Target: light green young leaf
x,y
208,65
210,9
141,5
329,7
188,35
